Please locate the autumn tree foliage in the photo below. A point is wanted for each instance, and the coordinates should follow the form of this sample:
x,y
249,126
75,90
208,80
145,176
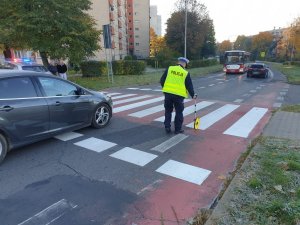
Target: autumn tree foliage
x,y
224,46
157,43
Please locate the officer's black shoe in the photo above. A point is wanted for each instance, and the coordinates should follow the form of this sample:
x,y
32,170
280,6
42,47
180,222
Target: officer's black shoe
x,y
168,130
179,131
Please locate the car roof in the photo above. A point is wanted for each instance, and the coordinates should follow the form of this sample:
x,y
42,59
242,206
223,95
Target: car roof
x,y
16,73
24,63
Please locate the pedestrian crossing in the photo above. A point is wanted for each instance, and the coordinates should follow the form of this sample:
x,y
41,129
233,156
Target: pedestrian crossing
x,y
152,106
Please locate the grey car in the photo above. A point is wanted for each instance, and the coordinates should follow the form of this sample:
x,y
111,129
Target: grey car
x,y
36,106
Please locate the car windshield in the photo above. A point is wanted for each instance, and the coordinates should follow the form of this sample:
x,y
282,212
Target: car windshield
x,y
256,66
35,68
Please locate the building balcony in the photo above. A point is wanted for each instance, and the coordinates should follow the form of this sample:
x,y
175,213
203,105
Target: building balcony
x,y
119,2
120,35
119,13
112,30
120,46
113,45
120,24
111,2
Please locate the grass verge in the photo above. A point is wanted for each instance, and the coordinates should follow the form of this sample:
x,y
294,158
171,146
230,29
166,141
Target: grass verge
x,y
291,108
99,83
292,72
267,190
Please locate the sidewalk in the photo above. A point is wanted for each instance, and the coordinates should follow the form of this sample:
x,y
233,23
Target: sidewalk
x,y
282,125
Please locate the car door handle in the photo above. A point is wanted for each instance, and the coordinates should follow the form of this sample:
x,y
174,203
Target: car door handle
x,y
6,108
57,103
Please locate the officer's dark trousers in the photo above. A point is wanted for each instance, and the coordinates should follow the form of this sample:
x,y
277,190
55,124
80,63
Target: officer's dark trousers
x,y
171,102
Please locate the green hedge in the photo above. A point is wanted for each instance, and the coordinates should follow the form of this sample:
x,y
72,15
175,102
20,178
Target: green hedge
x,y
192,64
93,68
128,67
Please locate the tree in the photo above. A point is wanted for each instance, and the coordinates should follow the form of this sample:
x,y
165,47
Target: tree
x,y
209,45
157,43
198,23
57,29
261,43
243,43
224,46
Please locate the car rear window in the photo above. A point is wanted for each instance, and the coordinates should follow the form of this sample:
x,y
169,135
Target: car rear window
x,y
20,87
257,66
35,68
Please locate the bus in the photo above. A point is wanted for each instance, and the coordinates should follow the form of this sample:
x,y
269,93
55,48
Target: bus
x,y
236,61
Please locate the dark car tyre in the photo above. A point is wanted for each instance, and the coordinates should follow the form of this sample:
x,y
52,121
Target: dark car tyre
x,y
101,116
3,147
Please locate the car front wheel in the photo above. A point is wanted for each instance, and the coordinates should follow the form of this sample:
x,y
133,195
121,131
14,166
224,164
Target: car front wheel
x,y
101,116
3,147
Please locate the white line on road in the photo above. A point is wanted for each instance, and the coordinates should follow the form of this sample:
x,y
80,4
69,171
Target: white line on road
x,y
133,88
184,172
211,85
112,94
238,100
277,105
169,143
95,144
253,91
138,104
122,96
244,125
50,214
131,99
134,156
188,110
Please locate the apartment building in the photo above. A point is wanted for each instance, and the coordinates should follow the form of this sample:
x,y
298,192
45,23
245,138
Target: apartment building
x,y
138,13
130,27
155,20
113,13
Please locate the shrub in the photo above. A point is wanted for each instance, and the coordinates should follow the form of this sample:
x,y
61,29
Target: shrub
x,y
93,68
128,67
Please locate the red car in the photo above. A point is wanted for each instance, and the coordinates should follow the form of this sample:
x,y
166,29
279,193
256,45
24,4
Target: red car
x,y
258,70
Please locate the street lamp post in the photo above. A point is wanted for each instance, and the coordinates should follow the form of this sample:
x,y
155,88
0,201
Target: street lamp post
x,y
185,28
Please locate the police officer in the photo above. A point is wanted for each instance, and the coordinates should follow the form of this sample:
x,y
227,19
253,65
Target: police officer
x,y
176,82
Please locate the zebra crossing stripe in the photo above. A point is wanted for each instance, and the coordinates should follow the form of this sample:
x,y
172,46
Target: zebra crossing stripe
x,y
213,117
188,110
95,144
152,110
184,172
123,96
131,99
132,88
244,125
138,104
112,94
134,156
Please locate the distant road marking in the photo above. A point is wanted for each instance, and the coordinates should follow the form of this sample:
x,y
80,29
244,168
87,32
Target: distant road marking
x,y
238,100
112,94
188,110
221,82
68,136
134,156
277,105
170,143
244,125
95,144
211,85
201,87
50,214
138,104
258,88
158,90
123,96
253,91
184,172
131,99
145,89
213,117
133,88
283,93
280,98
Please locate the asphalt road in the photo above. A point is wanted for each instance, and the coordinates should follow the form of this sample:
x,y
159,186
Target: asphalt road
x,y
124,174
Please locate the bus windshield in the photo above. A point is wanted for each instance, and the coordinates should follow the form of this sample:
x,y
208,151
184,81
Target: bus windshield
x,y
236,57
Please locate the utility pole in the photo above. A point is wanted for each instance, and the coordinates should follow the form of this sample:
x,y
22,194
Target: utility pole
x,y
185,28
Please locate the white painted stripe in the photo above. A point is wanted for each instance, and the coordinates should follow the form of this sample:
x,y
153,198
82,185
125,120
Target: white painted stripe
x,y
221,82
68,136
50,214
123,96
244,125
152,110
211,85
133,88
134,156
238,100
112,94
219,79
280,98
188,110
201,87
253,91
131,99
213,117
263,85
246,95
169,143
146,89
158,90
95,144
258,88
184,172
138,104
277,105
283,93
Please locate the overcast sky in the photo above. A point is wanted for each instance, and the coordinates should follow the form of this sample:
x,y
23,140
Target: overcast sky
x,y
237,17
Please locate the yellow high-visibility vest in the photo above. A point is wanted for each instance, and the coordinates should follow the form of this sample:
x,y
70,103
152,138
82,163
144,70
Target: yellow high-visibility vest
x,y
175,81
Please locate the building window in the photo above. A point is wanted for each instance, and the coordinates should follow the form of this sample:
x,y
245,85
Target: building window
x,y
137,28
137,36
137,44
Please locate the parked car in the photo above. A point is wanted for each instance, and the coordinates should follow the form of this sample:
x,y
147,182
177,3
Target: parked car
x,y
24,65
258,70
36,106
